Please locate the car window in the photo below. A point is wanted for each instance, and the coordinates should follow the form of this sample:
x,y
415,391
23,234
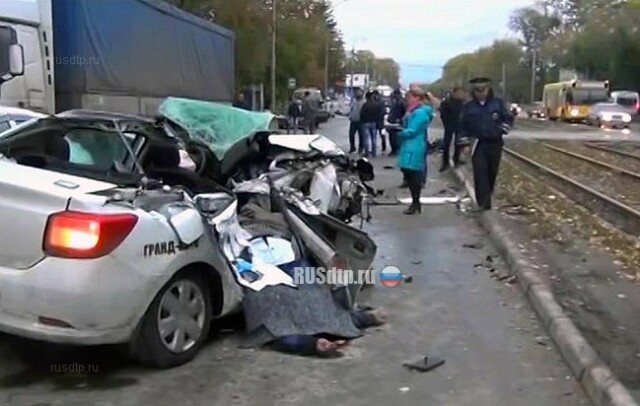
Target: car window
x,y
4,126
627,101
100,150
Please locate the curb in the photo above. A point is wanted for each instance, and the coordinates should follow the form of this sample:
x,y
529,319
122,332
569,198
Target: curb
x,y
597,380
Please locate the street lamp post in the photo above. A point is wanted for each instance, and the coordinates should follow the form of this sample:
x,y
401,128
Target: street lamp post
x,y
273,55
326,66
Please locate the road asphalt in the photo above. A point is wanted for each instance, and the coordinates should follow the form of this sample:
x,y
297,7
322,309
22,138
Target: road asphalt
x,y
496,351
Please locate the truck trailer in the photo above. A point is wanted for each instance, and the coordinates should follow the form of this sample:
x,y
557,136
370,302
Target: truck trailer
x,y
122,56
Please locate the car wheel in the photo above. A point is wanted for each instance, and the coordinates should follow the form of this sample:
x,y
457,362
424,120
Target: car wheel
x,y
177,323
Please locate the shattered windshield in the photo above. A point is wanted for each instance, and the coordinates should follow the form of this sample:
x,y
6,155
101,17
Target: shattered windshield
x,y
217,125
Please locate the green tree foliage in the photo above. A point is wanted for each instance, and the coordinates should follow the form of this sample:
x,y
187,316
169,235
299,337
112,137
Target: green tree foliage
x,y
383,71
306,31
503,57
599,39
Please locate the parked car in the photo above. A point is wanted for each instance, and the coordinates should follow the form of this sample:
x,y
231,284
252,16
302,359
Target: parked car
x,y
127,234
11,117
537,110
609,115
629,100
515,109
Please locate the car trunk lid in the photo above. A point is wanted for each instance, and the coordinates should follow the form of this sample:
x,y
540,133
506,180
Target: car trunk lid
x,y
28,196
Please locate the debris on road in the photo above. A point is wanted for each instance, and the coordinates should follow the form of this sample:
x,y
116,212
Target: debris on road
x,y
543,341
408,279
426,364
473,245
431,200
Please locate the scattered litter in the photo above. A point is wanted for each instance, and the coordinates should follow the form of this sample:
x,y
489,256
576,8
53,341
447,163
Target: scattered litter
x,y
417,262
431,200
405,389
551,197
388,167
504,277
617,262
510,280
424,365
622,296
543,341
473,245
408,279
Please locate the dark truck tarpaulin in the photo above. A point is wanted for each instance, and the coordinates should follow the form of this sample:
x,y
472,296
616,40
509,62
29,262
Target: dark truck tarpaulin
x,y
141,48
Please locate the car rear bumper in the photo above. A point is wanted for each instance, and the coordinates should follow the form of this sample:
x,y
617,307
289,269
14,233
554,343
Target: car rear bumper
x,y
74,302
615,124
29,327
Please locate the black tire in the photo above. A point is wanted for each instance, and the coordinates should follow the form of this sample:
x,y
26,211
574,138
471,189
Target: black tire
x,y
147,346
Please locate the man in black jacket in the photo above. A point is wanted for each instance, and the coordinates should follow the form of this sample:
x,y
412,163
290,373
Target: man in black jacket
x,y
486,119
370,119
396,115
450,113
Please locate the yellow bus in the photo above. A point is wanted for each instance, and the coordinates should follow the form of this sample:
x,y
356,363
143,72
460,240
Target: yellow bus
x,y
572,100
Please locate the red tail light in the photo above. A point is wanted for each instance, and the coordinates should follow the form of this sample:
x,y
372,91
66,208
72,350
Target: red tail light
x,y
638,106
86,235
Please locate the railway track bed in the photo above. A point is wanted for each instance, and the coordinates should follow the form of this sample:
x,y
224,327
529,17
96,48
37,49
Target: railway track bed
x,y
607,190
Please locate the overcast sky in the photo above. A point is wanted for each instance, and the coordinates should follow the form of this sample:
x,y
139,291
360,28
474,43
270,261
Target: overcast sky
x,y
423,34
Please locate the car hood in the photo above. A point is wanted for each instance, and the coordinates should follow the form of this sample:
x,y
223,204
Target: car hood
x,y
217,125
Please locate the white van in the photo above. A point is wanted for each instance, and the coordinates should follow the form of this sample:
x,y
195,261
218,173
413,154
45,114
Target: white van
x,y
629,100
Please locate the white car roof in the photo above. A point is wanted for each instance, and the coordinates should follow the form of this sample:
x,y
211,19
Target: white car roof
x,y
16,111
622,93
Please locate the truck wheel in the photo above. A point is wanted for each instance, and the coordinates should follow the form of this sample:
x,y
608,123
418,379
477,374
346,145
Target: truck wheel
x,y
177,323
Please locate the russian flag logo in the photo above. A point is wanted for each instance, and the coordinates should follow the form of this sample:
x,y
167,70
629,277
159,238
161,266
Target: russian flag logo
x,y
390,277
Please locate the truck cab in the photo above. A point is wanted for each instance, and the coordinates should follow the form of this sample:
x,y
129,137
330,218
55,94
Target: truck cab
x,y
32,22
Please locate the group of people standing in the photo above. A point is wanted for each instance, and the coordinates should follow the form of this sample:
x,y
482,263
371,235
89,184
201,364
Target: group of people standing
x,y
366,118
482,120
303,113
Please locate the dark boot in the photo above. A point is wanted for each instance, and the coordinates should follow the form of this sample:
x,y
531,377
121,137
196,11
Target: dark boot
x,y
413,209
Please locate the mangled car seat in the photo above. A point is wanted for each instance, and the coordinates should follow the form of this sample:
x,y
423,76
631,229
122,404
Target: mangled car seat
x,y
163,163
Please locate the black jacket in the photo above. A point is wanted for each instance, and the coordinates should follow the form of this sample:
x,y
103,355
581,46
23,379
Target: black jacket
x,y
451,112
485,121
295,110
370,112
397,111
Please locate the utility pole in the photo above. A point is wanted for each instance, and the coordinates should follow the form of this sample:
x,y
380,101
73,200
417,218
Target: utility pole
x,y
504,81
273,55
534,62
326,67
353,54
366,71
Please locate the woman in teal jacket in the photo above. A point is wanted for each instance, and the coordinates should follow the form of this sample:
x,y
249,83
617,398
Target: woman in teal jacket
x,y
413,146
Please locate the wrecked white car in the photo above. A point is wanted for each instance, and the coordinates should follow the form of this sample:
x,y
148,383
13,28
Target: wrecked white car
x,y
120,237
239,148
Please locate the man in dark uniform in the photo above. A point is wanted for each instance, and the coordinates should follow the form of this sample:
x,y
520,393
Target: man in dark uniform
x,y
485,119
450,113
